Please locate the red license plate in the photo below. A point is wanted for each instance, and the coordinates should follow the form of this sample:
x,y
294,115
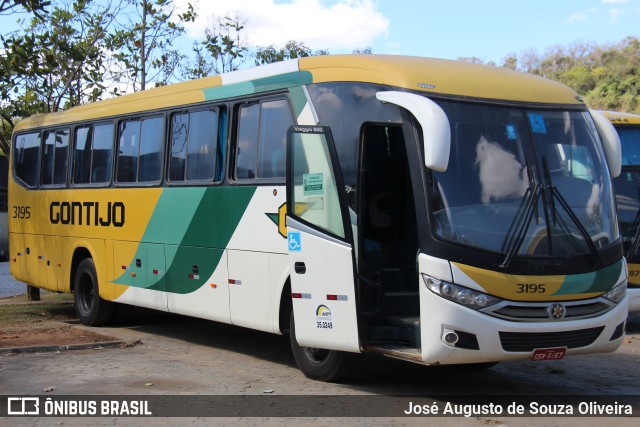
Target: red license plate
x,y
548,353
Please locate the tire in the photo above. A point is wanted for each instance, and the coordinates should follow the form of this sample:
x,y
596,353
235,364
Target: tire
x,y
320,364
90,308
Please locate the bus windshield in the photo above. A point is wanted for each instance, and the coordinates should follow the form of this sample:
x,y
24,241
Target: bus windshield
x,y
627,187
630,142
525,182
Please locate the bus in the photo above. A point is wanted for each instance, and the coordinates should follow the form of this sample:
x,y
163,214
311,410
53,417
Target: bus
x,y
424,209
4,224
627,189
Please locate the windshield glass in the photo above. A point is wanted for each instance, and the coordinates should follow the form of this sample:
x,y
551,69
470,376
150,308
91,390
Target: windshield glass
x,y
630,141
627,188
530,182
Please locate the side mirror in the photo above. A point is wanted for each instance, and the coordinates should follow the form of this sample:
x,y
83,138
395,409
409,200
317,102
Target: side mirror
x,y
436,131
610,142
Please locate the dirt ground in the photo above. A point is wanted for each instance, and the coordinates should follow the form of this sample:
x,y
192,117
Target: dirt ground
x,y
45,323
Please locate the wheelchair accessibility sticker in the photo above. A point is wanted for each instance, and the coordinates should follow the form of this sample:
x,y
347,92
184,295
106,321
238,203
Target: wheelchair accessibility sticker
x,y
294,241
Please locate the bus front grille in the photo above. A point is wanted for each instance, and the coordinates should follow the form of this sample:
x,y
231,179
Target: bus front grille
x,y
539,312
529,341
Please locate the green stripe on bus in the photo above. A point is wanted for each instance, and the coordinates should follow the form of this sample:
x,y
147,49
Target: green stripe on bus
x,y
195,224
597,281
265,84
298,99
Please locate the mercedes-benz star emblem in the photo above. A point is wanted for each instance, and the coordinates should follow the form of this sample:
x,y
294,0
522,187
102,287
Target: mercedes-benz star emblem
x,y
556,311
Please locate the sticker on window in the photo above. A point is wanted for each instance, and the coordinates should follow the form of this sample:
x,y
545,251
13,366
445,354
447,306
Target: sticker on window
x,y
537,123
511,132
312,184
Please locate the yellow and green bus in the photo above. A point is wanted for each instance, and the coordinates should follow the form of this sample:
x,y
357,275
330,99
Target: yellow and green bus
x,y
627,189
433,211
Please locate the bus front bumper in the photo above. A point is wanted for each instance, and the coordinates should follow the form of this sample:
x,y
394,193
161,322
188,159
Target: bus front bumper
x,y
483,338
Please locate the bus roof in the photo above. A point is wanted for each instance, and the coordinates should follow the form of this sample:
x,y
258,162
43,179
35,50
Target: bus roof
x,y
435,76
622,119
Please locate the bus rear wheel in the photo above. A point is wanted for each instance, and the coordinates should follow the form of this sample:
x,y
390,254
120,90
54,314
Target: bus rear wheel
x,y
320,364
90,308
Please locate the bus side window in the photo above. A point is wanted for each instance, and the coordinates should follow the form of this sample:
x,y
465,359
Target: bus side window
x,y
247,147
195,145
151,146
127,165
102,153
261,140
27,158
54,157
140,150
275,119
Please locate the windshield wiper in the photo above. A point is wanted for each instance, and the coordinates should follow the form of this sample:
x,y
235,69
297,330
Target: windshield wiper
x,y
556,195
635,242
513,241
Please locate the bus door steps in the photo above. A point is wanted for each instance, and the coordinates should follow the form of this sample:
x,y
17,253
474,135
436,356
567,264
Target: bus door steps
x,y
397,329
398,352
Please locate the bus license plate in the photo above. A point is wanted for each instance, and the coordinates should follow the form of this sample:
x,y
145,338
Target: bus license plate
x,y
548,353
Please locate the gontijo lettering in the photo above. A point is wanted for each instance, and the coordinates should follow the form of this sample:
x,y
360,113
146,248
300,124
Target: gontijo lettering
x,y
87,213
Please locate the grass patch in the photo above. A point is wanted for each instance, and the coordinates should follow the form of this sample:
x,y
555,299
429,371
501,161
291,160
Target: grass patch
x,y
44,296
52,306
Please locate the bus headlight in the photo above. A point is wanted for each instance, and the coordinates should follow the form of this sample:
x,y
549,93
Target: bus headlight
x,y
617,293
459,294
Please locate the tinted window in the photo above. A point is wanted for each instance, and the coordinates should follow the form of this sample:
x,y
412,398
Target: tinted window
x,y
203,131
194,146
275,119
140,150
179,134
93,154
102,153
26,158
54,157
247,142
128,151
262,133
346,107
151,143
82,156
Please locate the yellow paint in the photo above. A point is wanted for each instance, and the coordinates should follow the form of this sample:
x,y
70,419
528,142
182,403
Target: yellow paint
x,y
184,93
282,220
622,119
54,244
448,77
634,273
506,285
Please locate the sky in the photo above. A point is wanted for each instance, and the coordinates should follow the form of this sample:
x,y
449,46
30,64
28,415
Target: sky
x,y
489,30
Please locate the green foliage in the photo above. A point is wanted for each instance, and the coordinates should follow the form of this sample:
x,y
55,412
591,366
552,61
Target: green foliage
x,y
292,49
608,77
53,63
362,51
143,44
222,50
35,6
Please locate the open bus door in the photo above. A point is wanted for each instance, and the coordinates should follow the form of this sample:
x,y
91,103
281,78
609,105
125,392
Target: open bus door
x,y
320,242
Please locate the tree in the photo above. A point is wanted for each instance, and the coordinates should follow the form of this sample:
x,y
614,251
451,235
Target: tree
x,y
35,6
363,51
223,49
143,44
292,49
53,63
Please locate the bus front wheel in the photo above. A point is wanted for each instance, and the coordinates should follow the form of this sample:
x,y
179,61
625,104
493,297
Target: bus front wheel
x,y
90,308
320,364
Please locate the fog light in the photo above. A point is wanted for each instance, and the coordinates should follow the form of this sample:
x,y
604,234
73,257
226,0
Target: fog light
x,y
450,337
